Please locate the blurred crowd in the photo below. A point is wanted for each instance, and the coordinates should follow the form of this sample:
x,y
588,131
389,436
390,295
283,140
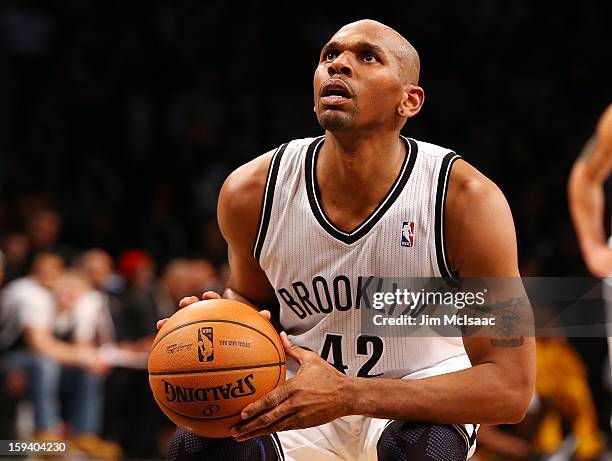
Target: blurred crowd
x,y
75,331
120,120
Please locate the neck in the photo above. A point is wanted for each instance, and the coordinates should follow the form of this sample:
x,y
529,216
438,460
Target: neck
x,y
354,173
354,162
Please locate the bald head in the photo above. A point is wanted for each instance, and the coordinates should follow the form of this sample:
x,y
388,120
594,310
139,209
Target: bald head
x,y
367,78
406,55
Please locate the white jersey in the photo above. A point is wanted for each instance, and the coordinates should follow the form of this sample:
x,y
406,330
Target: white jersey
x,y
318,270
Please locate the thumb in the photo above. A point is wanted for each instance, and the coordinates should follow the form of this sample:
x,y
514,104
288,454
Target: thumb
x,y
293,351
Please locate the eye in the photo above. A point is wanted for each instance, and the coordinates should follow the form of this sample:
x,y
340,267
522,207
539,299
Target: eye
x,y
331,55
369,57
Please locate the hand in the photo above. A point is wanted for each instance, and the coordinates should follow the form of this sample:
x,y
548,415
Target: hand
x,y
316,395
186,301
91,360
599,261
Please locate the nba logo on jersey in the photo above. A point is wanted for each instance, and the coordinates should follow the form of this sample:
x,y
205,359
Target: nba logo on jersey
x,y
408,234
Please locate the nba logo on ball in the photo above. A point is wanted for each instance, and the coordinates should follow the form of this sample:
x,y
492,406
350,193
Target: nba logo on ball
x,y
205,344
408,234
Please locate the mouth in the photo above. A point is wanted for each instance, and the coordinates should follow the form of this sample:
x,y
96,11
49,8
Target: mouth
x,y
335,92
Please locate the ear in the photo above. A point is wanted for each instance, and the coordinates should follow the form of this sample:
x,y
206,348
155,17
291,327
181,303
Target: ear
x,y
412,101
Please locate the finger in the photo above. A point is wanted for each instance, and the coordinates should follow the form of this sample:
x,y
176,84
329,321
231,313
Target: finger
x,y
187,300
160,323
295,352
285,423
263,420
271,400
211,295
266,315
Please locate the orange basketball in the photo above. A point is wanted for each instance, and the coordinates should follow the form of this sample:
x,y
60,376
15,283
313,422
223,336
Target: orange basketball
x,y
212,359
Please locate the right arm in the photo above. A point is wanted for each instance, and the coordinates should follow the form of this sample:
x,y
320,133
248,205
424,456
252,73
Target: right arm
x,y
587,200
238,213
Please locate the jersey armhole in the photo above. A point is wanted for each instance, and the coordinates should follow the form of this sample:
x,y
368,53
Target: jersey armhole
x,y
444,266
266,205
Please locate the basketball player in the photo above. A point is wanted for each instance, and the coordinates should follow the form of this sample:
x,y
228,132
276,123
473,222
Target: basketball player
x,y
587,199
304,222
587,206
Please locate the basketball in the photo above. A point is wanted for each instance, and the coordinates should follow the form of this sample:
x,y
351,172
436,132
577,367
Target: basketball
x,y
212,359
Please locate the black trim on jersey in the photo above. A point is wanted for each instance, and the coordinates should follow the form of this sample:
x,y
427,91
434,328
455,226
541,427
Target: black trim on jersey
x,y
314,193
469,439
473,436
441,254
266,206
278,447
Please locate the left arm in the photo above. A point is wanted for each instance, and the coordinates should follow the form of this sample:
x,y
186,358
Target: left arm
x,y
496,389
499,385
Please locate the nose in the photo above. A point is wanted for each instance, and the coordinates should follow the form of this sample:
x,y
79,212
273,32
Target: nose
x,y
340,65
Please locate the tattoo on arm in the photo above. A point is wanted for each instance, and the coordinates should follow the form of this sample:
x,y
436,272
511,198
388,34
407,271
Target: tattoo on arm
x,y
508,342
513,321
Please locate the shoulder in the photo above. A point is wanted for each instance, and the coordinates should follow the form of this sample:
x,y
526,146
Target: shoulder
x,y
25,287
93,299
241,198
245,185
468,188
243,190
242,194
466,185
90,305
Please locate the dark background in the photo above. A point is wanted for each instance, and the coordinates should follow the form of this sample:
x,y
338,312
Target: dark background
x,y
126,116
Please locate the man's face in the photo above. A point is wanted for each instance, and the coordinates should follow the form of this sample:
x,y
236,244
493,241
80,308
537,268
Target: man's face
x,y
99,267
47,269
357,84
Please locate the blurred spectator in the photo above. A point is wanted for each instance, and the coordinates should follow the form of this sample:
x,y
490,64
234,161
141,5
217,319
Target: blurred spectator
x,y
204,277
127,354
138,304
177,281
97,265
16,248
137,269
561,419
142,305
28,296
55,348
12,382
44,229
145,304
